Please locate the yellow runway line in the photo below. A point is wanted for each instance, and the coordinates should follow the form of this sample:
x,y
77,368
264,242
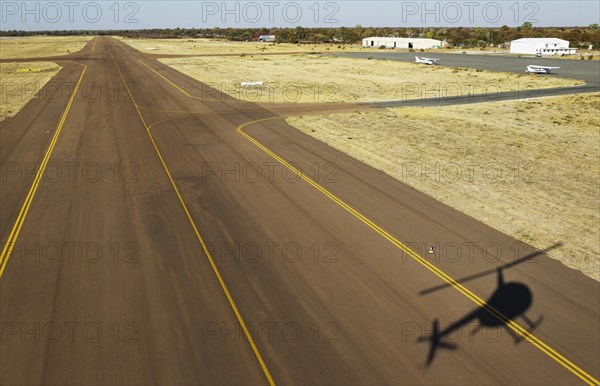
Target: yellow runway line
x,y
216,271
584,376
14,234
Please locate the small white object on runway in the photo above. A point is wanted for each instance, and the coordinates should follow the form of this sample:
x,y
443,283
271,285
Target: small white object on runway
x,y
250,84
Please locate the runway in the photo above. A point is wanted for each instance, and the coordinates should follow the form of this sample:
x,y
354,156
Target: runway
x,y
155,231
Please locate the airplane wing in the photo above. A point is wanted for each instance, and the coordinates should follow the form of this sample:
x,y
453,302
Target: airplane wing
x,y
540,69
426,60
535,67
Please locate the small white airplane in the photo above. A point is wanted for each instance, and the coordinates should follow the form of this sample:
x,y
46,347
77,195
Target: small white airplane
x,y
540,69
428,61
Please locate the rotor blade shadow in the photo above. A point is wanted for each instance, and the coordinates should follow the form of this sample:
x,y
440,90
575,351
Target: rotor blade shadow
x,y
493,270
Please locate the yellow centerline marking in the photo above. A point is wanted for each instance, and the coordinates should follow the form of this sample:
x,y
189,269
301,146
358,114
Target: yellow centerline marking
x,y
536,342
172,119
438,272
167,80
176,86
14,234
200,239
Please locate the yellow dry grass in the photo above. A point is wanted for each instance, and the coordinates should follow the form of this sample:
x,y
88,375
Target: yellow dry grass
x,y
530,169
19,87
40,46
316,79
213,46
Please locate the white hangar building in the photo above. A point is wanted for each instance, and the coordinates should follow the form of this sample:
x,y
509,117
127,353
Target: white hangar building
x,y
407,43
544,46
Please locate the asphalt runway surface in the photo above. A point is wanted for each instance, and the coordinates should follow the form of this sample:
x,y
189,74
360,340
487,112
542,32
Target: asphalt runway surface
x,y
155,231
588,71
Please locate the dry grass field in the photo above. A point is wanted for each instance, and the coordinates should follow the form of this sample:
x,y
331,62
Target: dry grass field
x,y
213,46
528,168
20,82
40,46
310,78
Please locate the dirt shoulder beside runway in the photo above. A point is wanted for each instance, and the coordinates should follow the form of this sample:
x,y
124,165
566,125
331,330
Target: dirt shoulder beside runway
x,y
529,169
21,82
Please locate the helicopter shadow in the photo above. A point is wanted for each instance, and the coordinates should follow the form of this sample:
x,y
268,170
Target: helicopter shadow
x,y
510,299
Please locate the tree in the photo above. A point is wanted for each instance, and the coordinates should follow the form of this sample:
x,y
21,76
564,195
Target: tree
x,y
368,33
320,38
300,33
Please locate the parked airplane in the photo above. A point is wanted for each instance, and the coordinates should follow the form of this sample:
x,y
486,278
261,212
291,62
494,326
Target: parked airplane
x,y
428,61
540,69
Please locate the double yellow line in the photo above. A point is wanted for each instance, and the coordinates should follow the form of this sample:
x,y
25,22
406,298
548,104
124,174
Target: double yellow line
x,y
232,304
536,342
14,234
438,272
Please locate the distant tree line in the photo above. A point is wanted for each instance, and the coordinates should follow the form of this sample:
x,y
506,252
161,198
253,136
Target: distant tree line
x,y
580,37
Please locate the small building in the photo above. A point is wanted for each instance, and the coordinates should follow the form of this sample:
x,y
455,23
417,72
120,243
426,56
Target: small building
x,y
541,46
406,43
266,38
